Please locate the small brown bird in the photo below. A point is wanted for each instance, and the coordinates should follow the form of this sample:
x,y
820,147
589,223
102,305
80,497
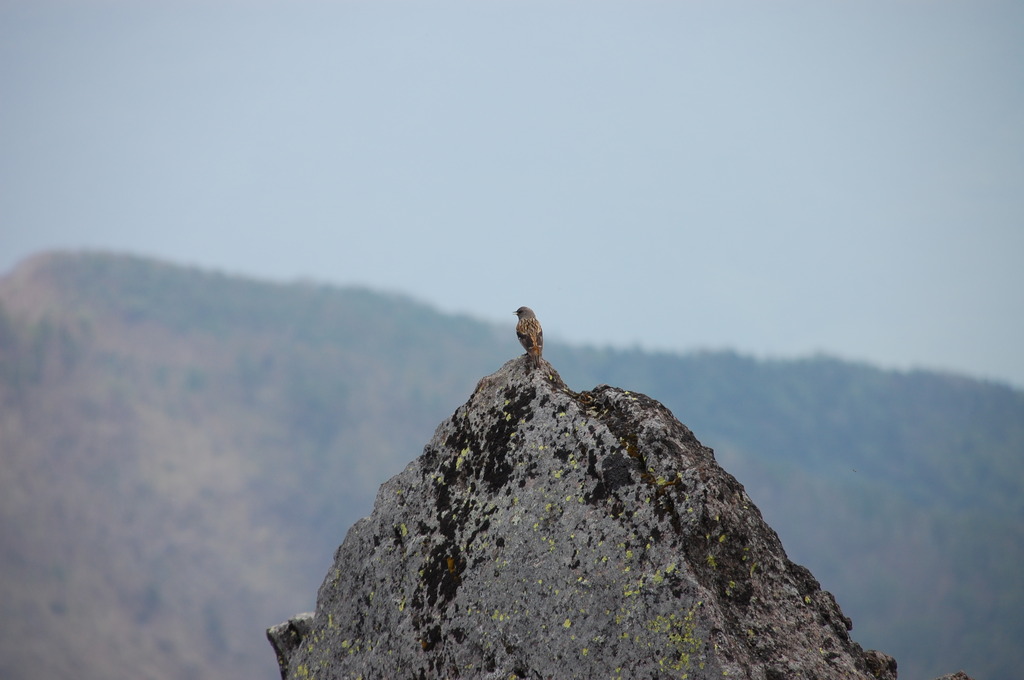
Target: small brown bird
x,y
531,335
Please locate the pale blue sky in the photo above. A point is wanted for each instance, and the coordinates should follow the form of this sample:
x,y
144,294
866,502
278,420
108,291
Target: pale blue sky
x,y
780,178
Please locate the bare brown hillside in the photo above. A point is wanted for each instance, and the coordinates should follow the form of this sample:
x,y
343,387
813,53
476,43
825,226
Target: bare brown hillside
x,y
167,461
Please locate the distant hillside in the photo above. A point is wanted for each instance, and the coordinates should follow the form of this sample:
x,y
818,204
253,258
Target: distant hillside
x,y
902,492
176,443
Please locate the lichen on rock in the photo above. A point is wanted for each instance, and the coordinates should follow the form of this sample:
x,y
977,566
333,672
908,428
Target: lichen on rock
x,y
545,533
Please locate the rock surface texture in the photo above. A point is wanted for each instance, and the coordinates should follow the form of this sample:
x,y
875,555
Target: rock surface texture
x,y
545,533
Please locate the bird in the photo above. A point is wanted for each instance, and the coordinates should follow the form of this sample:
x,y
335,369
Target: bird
x,y
530,334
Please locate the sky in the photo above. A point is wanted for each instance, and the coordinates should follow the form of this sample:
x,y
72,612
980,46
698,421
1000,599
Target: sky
x,y
778,178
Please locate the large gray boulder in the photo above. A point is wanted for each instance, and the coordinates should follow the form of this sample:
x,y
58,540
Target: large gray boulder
x,y
545,533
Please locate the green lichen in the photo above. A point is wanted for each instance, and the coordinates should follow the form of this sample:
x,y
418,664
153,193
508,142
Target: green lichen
x,y
678,633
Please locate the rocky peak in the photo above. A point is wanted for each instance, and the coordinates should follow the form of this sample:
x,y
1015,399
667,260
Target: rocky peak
x,y
545,533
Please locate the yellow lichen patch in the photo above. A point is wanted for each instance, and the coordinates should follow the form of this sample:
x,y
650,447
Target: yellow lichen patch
x,y
630,589
679,635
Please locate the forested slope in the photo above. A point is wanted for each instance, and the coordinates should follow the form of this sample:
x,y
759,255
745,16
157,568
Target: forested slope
x,y
182,451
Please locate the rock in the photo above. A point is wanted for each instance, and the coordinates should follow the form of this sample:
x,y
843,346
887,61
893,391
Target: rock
x,y
959,675
880,665
550,534
286,637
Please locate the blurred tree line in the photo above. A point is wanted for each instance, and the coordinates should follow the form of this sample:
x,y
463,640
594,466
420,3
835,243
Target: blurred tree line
x,y
902,491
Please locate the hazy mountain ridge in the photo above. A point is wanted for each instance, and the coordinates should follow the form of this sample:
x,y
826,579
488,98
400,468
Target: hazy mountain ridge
x,y
893,414
164,430
900,490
